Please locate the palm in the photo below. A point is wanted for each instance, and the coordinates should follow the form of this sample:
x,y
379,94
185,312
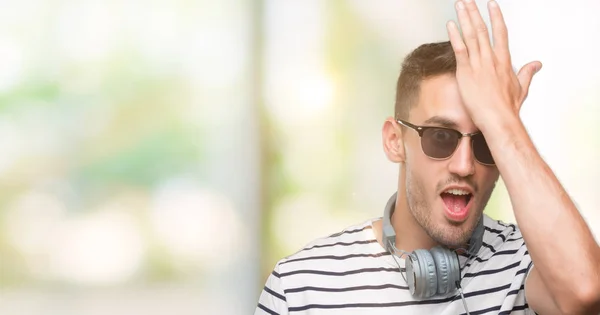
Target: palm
x,y
489,86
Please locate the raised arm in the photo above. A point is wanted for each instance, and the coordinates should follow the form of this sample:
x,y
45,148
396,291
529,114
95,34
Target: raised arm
x,y
566,276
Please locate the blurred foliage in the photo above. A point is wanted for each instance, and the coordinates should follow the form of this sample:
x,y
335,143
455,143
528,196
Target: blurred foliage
x,y
129,131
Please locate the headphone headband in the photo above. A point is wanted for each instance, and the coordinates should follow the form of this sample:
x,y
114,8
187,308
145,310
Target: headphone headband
x,y
389,235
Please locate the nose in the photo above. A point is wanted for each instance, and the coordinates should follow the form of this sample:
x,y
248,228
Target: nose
x,y
462,162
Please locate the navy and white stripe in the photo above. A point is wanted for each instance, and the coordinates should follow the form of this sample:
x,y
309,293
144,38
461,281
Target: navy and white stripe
x,y
350,273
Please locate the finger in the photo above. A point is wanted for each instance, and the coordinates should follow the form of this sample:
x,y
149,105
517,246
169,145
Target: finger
x,y
500,33
460,50
480,29
469,35
526,74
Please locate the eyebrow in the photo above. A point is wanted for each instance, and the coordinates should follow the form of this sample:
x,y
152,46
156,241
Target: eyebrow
x,y
441,121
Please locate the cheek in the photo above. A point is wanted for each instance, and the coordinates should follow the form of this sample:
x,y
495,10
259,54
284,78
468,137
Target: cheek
x,y
415,156
425,172
488,178
425,175
412,147
491,174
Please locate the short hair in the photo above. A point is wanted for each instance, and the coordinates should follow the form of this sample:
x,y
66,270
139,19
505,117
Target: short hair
x,y
425,61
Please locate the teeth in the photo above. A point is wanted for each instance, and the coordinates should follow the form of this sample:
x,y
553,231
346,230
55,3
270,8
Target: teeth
x,y
459,192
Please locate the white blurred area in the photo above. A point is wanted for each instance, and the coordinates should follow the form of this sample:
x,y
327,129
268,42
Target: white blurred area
x,y
201,239
116,197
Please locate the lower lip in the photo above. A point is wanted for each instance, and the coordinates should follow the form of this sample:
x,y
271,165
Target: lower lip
x,y
460,216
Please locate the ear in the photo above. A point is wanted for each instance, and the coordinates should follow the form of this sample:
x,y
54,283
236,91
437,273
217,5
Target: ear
x,y
393,144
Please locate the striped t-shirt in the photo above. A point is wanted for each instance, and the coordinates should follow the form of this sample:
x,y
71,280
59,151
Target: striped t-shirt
x,y
351,273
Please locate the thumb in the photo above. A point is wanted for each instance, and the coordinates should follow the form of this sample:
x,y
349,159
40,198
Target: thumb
x,y
526,74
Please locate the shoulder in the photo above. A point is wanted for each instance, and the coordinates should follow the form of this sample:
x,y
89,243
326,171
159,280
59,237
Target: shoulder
x,y
334,252
503,247
500,232
348,239
333,270
500,268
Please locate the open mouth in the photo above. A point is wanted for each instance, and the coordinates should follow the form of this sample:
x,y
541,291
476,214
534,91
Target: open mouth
x,y
457,202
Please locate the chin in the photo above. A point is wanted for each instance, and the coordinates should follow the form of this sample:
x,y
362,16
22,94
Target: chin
x,y
453,237
453,233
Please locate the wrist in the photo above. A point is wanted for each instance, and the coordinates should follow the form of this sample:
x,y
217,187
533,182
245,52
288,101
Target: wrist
x,y
505,133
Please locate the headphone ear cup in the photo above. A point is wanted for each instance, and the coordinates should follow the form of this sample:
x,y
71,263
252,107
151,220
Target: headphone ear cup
x,y
454,274
447,268
424,282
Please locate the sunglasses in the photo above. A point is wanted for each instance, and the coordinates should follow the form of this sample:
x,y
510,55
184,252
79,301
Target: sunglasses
x,y
440,143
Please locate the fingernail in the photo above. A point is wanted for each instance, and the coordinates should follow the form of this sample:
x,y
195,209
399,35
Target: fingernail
x,y
468,1
460,5
493,4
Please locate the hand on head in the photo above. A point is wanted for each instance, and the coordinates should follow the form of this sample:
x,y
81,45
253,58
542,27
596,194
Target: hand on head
x,y
490,88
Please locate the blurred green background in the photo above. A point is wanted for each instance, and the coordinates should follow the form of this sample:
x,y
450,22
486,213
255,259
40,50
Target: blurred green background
x,y
159,157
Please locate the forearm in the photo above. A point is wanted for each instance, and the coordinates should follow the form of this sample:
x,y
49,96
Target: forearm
x,y
559,241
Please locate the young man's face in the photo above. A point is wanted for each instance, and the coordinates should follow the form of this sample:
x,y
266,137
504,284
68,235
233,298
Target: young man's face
x,y
448,217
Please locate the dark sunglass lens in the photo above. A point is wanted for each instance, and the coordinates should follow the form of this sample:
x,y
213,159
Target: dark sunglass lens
x,y
481,150
439,143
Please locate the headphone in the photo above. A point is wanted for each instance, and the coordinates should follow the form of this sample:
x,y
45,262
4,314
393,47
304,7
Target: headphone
x,y
430,272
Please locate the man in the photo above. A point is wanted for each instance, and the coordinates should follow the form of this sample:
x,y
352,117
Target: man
x,y
456,129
